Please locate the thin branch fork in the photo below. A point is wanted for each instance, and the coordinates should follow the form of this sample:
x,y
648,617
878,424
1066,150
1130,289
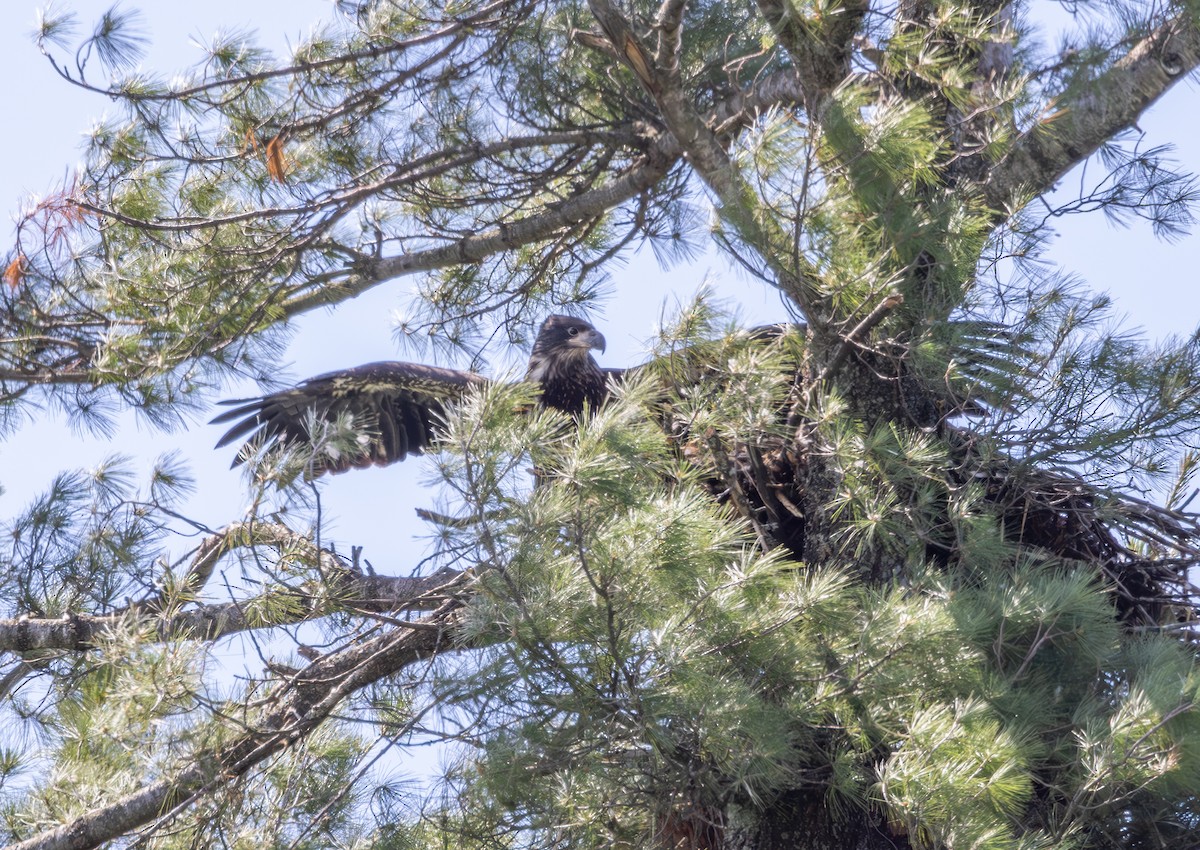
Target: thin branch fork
x,y
889,303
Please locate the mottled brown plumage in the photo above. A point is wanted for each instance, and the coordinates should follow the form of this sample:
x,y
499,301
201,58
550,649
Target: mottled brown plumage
x,y
562,363
396,405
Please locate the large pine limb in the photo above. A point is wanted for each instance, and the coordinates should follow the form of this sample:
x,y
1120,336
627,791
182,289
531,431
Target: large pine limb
x,y
821,46
346,590
1112,103
357,594
737,202
294,710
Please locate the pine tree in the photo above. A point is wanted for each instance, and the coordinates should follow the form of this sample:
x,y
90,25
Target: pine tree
x,y
911,569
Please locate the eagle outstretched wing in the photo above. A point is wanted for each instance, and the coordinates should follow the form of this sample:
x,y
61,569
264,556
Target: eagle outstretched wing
x,y
397,405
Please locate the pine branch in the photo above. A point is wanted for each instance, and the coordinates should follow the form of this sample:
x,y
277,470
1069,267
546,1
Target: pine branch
x,y
705,152
472,249
1112,103
452,27
293,710
778,89
404,175
346,591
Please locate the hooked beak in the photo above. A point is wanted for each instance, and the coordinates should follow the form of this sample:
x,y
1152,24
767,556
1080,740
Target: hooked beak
x,y
589,339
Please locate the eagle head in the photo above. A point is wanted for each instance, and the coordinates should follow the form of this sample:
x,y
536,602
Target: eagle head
x,y
562,334
563,345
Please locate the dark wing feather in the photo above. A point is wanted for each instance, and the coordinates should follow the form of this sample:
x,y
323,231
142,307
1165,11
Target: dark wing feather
x,y
395,405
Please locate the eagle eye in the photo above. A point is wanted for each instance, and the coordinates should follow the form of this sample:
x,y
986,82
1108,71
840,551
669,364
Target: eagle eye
x,y
573,331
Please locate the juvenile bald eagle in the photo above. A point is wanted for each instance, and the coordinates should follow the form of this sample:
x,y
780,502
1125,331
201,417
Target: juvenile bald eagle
x,y
399,404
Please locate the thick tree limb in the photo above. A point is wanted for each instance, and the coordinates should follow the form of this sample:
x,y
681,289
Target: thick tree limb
x,y
1113,102
821,46
293,711
364,594
738,203
344,590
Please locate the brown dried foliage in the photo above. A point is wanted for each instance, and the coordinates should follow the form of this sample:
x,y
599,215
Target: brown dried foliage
x,y
15,273
276,162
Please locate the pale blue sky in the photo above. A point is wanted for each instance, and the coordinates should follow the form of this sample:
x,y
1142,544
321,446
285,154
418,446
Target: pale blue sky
x,y
1153,282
